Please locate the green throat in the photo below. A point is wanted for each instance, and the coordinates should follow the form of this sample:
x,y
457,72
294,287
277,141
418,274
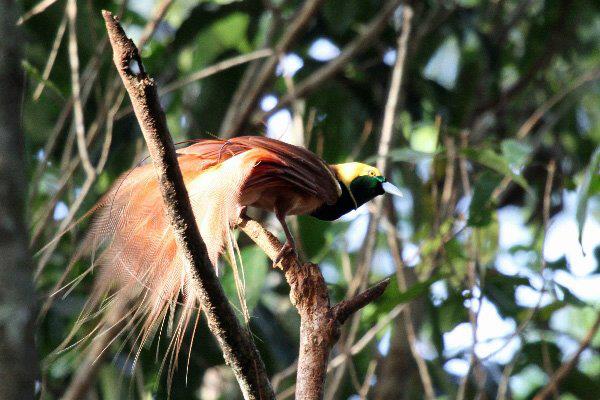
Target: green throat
x,y
361,190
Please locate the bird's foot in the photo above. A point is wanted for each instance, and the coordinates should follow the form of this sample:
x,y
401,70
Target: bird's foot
x,y
242,212
287,250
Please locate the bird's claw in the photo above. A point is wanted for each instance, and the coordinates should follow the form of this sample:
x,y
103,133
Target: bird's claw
x,y
287,250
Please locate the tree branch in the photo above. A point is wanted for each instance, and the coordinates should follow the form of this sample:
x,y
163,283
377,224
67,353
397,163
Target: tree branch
x,y
238,349
319,322
360,43
563,371
237,116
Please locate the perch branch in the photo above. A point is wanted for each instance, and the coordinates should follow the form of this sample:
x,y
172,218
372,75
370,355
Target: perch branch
x,y
238,349
319,322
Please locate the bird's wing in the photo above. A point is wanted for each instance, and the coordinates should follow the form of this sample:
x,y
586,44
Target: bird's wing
x,y
295,165
277,163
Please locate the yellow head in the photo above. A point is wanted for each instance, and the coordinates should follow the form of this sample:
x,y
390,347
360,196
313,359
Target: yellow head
x,y
347,172
361,183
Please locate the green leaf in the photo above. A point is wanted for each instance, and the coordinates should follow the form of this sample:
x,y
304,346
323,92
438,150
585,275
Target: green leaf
x,y
393,296
569,297
417,289
496,162
516,153
35,74
501,289
410,155
480,210
586,190
545,313
560,264
424,139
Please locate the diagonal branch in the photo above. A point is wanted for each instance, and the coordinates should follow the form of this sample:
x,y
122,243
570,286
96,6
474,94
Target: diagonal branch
x,y
238,349
238,113
565,368
358,45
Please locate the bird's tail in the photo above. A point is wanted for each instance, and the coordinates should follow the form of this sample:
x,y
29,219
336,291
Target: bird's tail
x,y
140,269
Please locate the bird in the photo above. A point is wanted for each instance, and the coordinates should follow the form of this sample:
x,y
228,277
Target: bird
x,y
139,263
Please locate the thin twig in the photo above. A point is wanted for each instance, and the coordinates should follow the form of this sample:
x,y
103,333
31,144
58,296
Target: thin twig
x,y
85,375
237,118
81,195
238,348
52,57
364,390
158,14
502,392
76,89
528,125
205,73
555,380
37,9
411,335
391,105
546,203
215,68
359,44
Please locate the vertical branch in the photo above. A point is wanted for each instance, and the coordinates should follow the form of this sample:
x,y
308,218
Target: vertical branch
x,y
239,350
76,89
360,278
411,334
391,105
386,138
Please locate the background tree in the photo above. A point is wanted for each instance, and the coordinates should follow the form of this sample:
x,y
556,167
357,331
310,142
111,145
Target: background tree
x,y
18,366
495,143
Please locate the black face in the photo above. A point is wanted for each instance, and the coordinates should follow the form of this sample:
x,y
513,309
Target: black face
x,y
363,188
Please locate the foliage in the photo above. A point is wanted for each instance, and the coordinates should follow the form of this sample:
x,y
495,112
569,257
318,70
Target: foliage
x,y
472,224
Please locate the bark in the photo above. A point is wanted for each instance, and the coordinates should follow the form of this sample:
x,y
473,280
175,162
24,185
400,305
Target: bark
x,y
319,322
239,350
18,360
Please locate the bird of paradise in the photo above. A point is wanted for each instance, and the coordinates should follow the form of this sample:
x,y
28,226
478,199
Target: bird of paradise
x,y
140,267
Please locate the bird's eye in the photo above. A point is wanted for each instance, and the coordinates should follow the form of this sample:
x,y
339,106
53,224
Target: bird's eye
x,y
371,173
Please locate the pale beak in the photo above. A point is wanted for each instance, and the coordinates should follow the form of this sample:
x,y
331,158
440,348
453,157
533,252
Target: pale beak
x,y
391,189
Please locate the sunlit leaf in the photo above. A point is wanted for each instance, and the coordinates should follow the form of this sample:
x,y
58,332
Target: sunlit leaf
x,y
417,289
496,162
424,139
516,153
569,297
480,210
37,76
